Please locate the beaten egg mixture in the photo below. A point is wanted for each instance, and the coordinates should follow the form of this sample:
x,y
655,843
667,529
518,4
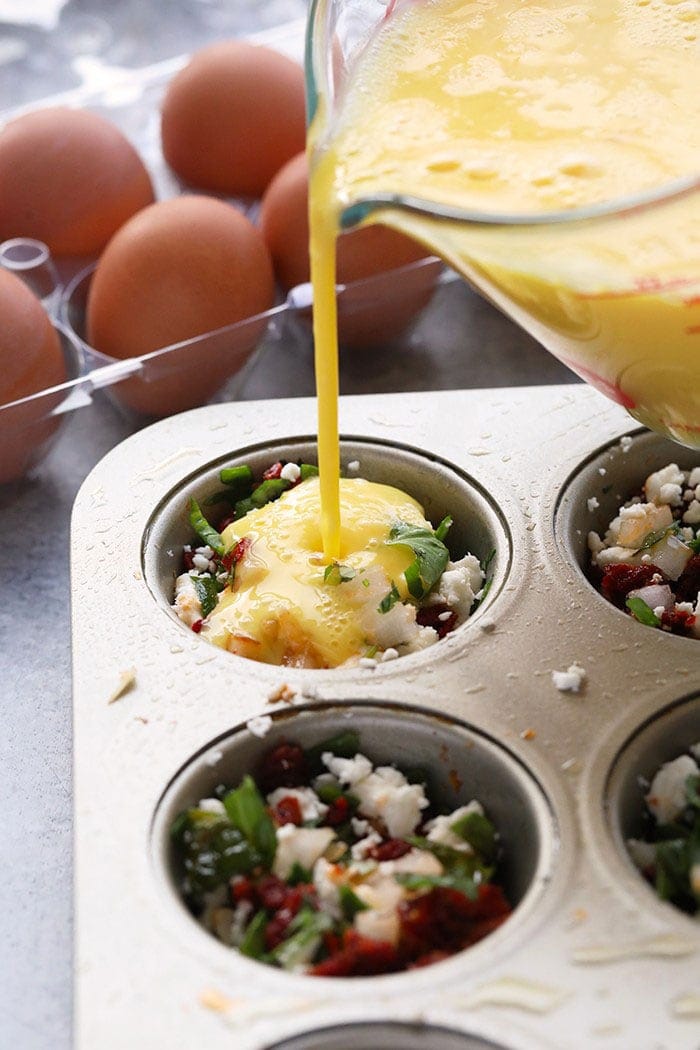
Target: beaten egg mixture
x,y
283,606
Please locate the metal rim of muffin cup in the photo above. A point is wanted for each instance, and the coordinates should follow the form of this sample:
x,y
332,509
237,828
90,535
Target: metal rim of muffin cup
x,y
386,1035
478,524
626,464
463,762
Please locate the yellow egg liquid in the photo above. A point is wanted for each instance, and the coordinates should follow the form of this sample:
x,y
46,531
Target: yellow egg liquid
x,y
503,106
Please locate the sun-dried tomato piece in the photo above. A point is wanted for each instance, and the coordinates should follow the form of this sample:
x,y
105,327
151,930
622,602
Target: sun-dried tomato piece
x,y
276,929
429,616
447,920
282,766
359,957
188,560
271,892
241,888
338,812
232,557
275,471
197,626
437,955
619,580
288,811
687,586
392,849
678,621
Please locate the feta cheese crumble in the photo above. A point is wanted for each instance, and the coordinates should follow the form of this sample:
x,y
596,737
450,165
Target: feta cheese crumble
x,y
571,680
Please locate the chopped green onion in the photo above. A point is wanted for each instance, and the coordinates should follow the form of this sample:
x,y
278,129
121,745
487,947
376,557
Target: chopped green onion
x,y
652,538
207,534
389,600
335,574
238,477
444,527
253,943
641,611
266,492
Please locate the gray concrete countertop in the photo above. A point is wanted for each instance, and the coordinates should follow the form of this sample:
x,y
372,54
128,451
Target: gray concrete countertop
x,y
49,46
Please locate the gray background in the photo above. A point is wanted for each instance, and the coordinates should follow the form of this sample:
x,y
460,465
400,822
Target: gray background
x,y
48,47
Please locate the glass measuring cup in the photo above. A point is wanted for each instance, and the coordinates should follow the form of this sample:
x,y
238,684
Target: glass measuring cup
x,y
612,289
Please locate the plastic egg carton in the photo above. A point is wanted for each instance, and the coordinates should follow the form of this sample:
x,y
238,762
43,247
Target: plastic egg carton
x,y
590,957
215,365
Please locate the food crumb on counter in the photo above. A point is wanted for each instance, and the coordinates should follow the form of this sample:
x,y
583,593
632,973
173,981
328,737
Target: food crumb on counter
x,y
214,1000
571,680
528,734
127,680
284,694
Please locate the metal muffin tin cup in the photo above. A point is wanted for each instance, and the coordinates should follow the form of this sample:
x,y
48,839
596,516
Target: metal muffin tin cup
x,y
461,765
479,526
658,740
575,962
609,478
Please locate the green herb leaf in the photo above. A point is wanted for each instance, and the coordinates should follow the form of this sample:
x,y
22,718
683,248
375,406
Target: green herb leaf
x,y
350,903
454,881
208,535
389,600
692,790
299,874
336,573
431,556
479,832
247,811
641,611
694,544
207,590
253,943
308,470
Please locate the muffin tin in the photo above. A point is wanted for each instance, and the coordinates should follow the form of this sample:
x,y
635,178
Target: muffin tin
x,y
589,957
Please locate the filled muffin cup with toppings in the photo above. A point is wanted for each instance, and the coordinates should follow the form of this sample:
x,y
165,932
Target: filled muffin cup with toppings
x,y
667,849
255,581
326,864
648,561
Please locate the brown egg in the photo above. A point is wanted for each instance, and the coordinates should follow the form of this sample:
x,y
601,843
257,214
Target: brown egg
x,y
69,178
178,269
366,315
31,360
233,116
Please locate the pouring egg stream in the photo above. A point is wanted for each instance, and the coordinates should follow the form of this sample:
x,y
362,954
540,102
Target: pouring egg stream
x,y
509,108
